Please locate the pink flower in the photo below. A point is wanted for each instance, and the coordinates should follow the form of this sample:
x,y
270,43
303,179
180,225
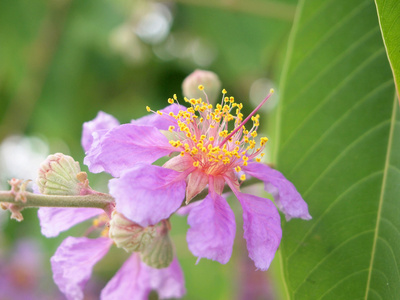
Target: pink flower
x,y
73,262
205,153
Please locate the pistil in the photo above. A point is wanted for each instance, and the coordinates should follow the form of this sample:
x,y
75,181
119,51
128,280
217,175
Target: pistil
x,y
248,118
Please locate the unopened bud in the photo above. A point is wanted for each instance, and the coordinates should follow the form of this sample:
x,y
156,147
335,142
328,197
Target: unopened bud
x,y
160,253
128,235
208,80
60,174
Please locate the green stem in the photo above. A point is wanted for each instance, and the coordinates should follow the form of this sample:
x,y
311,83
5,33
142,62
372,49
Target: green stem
x,y
99,200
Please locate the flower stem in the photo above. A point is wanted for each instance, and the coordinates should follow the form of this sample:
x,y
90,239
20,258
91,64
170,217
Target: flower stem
x,y
98,200
16,200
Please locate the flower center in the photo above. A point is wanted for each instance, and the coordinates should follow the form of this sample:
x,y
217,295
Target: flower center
x,y
204,134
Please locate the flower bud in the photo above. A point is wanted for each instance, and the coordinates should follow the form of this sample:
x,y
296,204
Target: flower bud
x,y
128,235
60,174
160,253
208,79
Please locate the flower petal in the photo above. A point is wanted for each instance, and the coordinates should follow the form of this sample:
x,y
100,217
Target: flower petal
x,y
125,146
185,210
147,194
219,184
130,282
262,228
168,282
73,262
54,220
161,122
286,197
135,280
103,122
179,163
197,181
212,229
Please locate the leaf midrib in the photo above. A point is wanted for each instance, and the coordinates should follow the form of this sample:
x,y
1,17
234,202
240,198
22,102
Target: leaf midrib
x,y
285,70
382,195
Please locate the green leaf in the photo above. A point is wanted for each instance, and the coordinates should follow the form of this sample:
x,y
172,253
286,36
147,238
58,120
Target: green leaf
x,y
339,142
389,21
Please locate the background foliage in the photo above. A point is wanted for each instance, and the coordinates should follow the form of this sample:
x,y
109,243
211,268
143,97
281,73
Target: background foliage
x,y
335,133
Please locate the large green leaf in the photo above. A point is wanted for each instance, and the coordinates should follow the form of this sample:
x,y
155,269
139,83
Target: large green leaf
x,y
339,142
389,20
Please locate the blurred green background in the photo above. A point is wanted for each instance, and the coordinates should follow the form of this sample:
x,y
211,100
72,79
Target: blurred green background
x,y
63,61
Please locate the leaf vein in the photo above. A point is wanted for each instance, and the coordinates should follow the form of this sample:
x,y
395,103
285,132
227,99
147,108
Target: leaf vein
x,y
323,40
344,152
330,95
340,281
333,203
338,122
320,262
335,62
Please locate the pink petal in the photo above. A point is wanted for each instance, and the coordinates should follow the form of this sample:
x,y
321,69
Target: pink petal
x,y
103,122
197,182
186,209
168,282
219,184
262,228
125,146
286,197
147,194
161,122
54,220
212,229
179,163
73,262
130,282
135,280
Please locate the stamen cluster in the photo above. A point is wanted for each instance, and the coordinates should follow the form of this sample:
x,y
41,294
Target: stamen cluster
x,y
203,134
